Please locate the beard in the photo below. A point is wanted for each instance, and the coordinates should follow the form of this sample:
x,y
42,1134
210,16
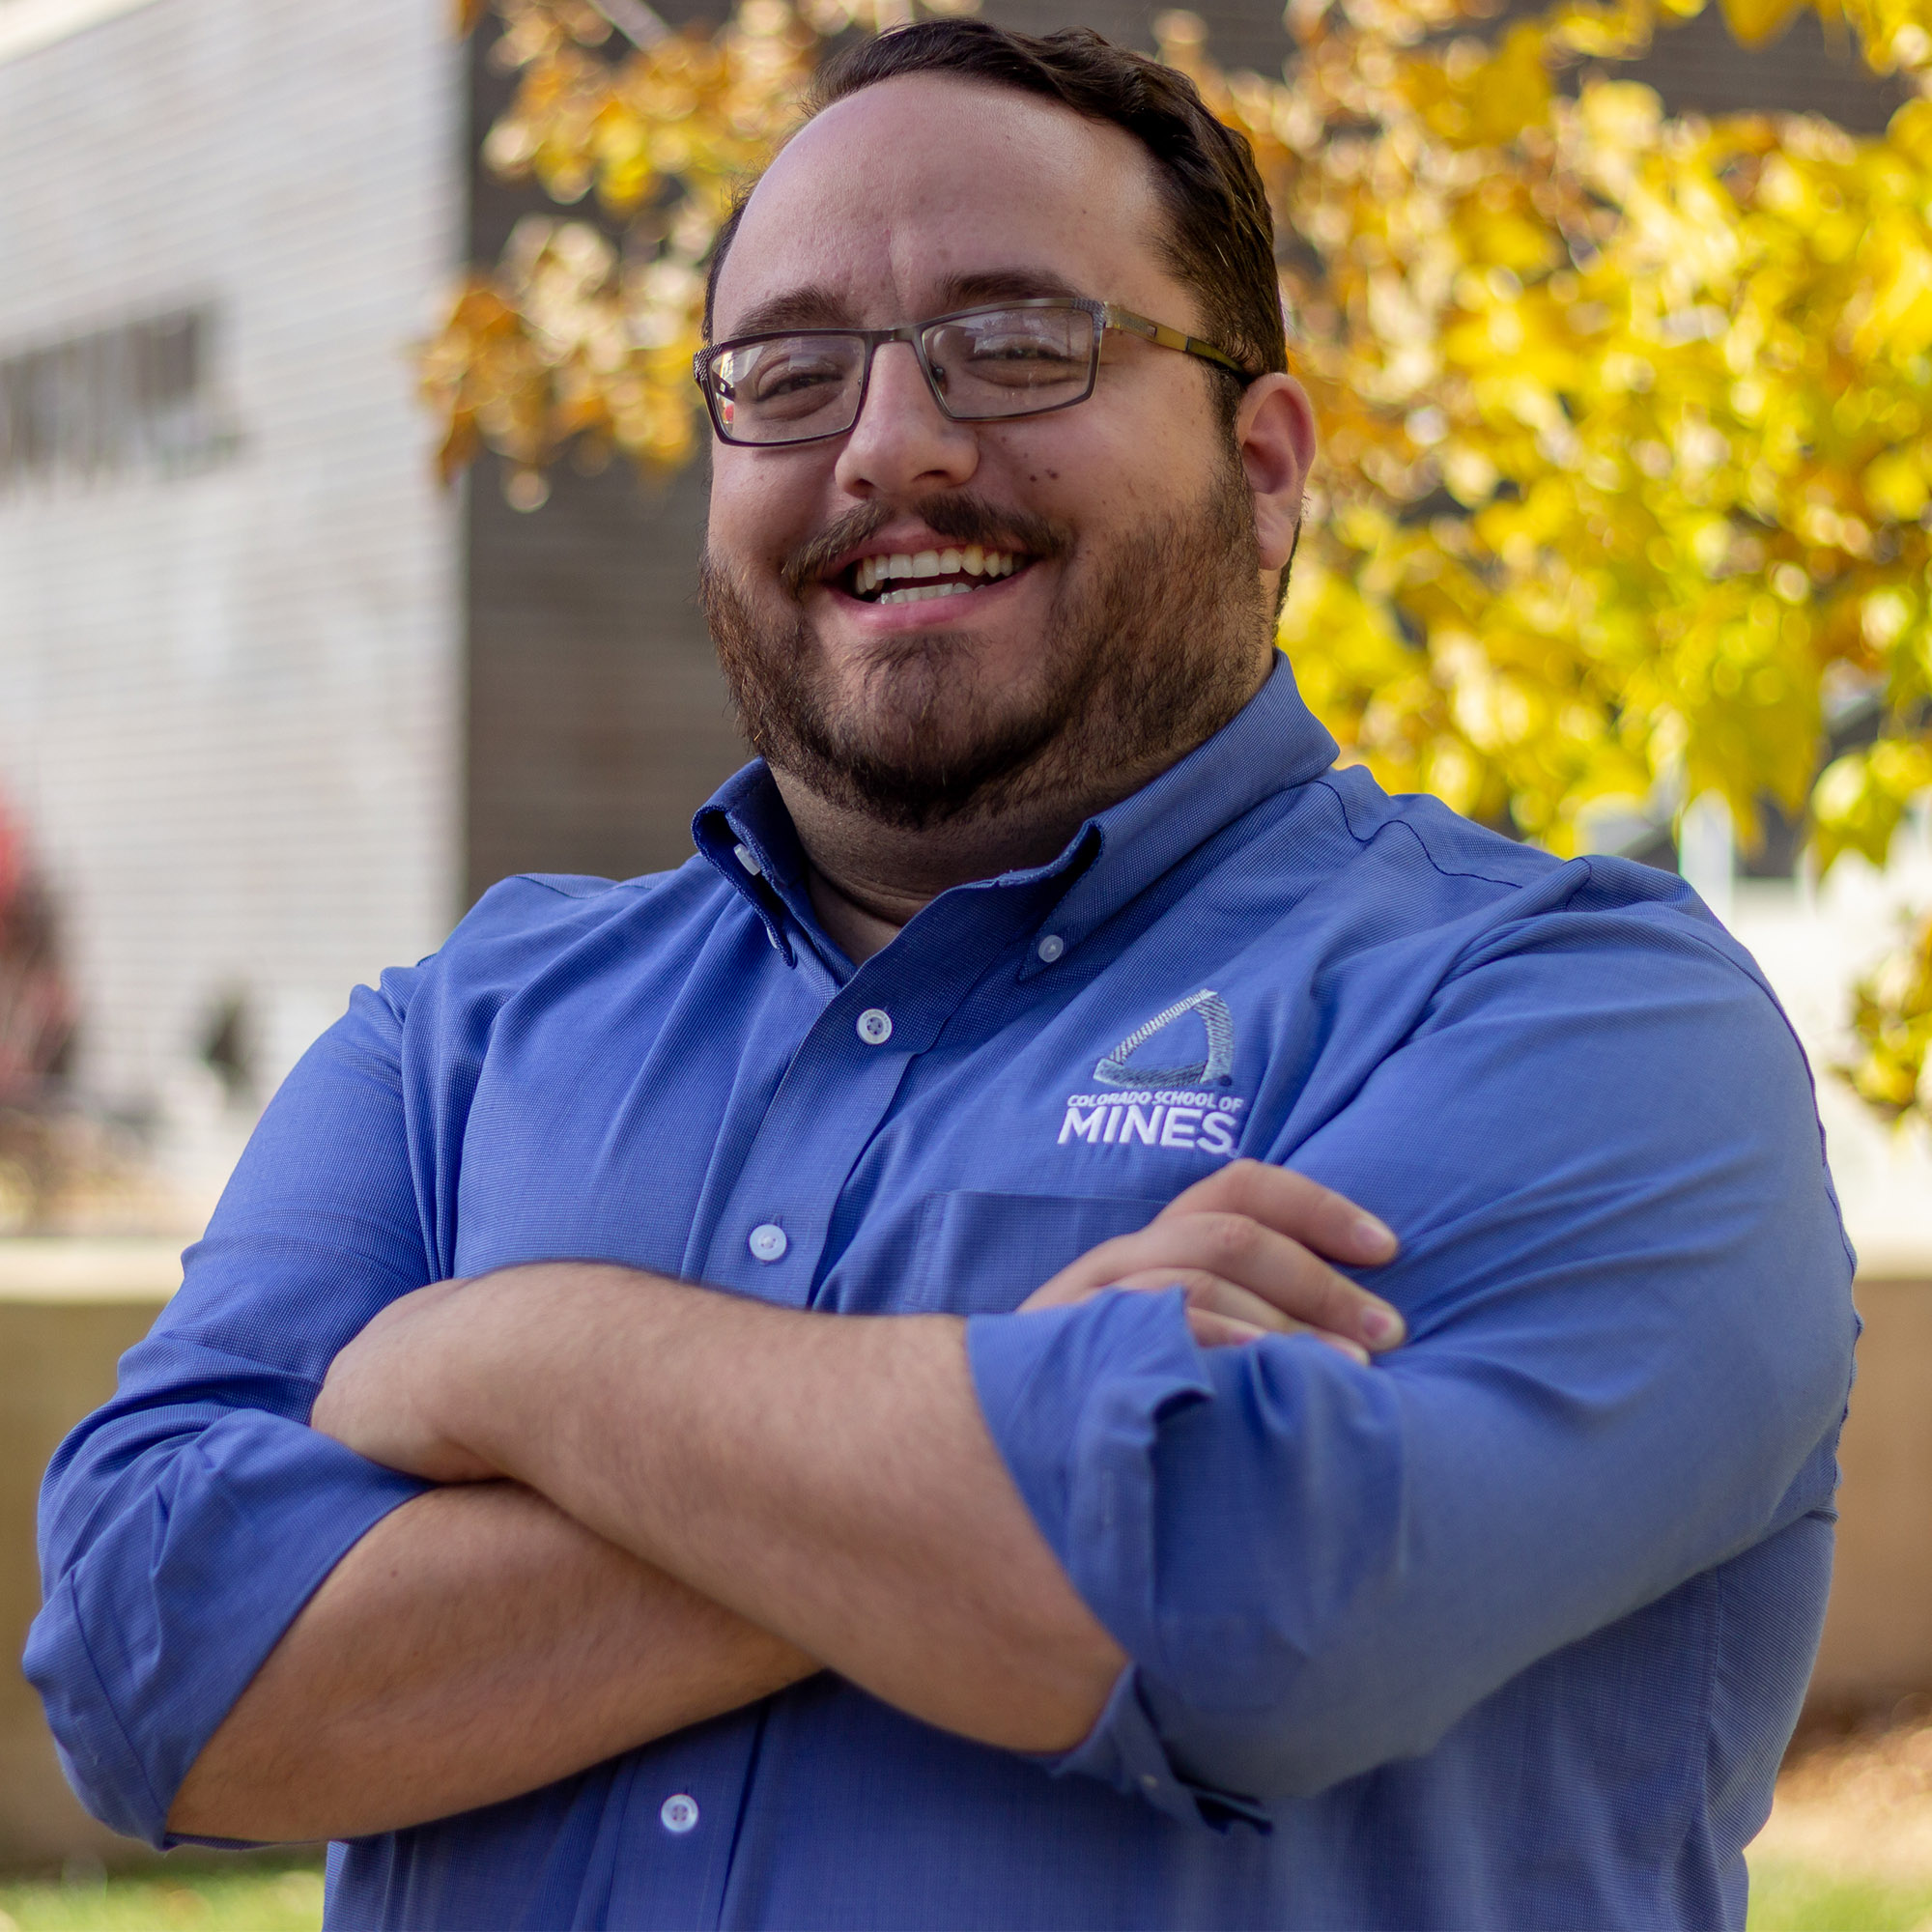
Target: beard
x,y
1142,659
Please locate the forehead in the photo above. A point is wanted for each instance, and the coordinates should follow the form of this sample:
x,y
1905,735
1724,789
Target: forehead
x,y
911,186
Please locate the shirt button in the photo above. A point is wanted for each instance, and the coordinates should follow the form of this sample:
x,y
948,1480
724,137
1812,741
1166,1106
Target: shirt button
x,y
679,1813
1052,947
875,1026
748,859
1148,1783
768,1240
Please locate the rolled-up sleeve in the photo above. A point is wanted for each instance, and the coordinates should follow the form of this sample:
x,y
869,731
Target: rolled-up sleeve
x,y
185,1525
1631,1332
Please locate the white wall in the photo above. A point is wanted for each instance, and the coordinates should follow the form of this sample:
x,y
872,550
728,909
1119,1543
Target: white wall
x,y
1812,944
229,701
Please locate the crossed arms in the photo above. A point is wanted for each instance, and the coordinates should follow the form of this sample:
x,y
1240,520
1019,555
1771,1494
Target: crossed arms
x,y
665,1502
1629,1346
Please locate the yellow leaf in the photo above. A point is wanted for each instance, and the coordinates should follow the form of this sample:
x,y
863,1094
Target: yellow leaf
x,y
1755,21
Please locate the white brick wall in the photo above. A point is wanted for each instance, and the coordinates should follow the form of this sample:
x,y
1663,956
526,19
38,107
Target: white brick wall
x,y
230,702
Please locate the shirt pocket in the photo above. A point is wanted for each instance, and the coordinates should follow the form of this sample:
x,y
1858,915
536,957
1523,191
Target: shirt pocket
x,y
983,1254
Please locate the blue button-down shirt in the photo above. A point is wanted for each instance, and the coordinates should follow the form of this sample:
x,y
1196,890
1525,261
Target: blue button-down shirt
x,y
1508,1630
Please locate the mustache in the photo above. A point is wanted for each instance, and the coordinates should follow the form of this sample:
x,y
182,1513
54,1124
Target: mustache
x,y
959,519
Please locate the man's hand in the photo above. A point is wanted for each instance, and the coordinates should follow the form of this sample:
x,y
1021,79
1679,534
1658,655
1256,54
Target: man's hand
x,y
1246,1246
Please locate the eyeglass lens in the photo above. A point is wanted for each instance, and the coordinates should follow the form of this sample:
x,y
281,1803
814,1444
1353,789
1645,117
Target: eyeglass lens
x,y
998,362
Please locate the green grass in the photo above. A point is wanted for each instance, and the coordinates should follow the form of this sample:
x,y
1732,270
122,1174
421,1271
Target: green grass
x,y
1784,1898
1791,1898
189,1900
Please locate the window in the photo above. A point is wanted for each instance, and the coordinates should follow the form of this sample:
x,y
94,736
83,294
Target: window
x,y
134,397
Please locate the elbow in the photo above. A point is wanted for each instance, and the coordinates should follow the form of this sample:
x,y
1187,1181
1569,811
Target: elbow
x,y
96,1757
1040,1699
1275,1760
1275,1724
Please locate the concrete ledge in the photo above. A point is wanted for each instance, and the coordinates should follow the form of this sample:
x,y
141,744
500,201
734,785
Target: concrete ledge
x,y
1878,1631
54,1269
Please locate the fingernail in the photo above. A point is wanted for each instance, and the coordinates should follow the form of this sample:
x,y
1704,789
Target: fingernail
x,y
1376,1233
1354,1351
1382,1325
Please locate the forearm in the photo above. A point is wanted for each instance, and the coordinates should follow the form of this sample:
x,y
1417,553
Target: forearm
x,y
475,1644
829,1478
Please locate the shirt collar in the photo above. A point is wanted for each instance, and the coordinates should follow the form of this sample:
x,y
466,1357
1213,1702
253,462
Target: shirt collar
x,y
1273,742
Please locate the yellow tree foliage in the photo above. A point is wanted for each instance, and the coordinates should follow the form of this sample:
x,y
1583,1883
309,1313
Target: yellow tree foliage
x,y
572,340
1627,452
1891,1026
1627,477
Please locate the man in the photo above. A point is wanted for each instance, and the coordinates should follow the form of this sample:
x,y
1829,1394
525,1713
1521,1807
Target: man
x,y
820,1389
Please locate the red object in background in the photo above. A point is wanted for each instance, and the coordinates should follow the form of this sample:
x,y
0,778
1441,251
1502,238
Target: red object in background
x,y
36,1012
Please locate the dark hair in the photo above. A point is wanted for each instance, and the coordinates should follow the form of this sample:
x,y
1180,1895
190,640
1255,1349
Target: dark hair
x,y
1220,240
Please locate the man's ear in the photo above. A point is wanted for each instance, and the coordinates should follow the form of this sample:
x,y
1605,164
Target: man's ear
x,y
1274,431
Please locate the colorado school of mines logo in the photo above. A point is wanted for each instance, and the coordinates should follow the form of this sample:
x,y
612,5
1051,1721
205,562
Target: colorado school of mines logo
x,y
1163,1106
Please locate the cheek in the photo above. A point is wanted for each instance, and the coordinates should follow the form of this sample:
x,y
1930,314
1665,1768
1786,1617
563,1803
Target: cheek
x,y
759,510
1098,474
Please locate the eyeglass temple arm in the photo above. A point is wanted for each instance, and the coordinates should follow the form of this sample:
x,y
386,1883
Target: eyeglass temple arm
x,y
1168,338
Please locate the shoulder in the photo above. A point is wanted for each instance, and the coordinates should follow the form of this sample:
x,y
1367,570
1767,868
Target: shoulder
x,y
1531,998
1412,830
535,924
1486,896
545,911
545,908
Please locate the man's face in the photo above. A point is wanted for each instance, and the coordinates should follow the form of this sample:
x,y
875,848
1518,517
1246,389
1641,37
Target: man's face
x,y
1122,608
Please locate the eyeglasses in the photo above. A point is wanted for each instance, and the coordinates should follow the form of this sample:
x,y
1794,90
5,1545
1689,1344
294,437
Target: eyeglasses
x,y
1017,358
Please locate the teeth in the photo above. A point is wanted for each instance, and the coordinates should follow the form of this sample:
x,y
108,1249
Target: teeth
x,y
918,593
973,560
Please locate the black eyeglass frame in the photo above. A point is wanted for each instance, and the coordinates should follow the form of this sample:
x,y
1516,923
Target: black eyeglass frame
x,y
1105,316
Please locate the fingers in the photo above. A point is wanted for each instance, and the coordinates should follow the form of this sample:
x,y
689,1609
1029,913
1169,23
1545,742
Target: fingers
x,y
1291,1204
1271,1266
1280,1282
1221,1297
1248,1244
1222,1331
1216,1306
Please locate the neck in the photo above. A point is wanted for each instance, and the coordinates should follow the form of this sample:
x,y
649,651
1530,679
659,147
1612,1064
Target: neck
x,y
869,878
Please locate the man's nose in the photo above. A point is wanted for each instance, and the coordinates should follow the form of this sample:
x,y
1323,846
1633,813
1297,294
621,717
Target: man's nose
x,y
903,439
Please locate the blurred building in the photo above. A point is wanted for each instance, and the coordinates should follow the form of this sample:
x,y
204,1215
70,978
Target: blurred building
x,y
273,707
230,637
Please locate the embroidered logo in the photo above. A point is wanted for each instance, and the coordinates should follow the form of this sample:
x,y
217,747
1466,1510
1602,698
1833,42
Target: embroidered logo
x,y
1213,1072
1190,1113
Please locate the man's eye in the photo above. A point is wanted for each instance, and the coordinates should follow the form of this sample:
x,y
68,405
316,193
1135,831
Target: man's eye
x,y
794,380
1010,352
1018,349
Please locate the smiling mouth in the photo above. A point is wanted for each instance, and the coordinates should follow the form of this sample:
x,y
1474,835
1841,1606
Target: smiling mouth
x,y
913,577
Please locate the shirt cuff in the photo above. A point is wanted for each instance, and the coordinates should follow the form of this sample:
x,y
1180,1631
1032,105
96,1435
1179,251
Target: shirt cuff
x,y
1123,1749
1074,1397
144,1646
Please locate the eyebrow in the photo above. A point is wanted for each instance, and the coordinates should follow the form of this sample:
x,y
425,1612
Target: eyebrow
x,y
815,306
